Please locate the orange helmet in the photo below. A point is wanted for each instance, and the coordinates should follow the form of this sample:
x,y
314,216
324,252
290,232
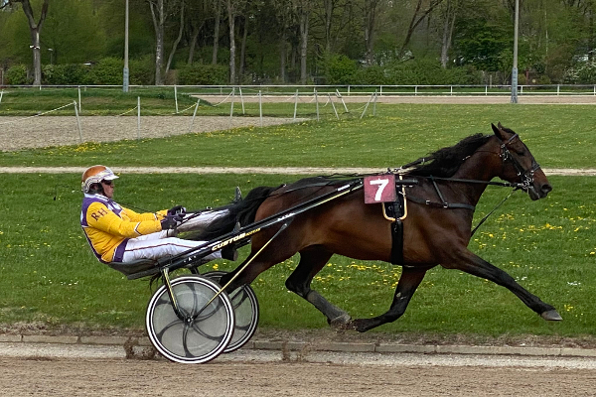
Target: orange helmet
x,y
96,174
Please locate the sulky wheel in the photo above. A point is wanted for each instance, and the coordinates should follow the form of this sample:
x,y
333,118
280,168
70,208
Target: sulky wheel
x,y
246,312
201,331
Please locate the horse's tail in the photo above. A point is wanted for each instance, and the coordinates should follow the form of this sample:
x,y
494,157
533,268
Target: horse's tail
x,y
242,211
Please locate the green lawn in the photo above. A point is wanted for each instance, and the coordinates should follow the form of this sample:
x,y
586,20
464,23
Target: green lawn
x,y
48,274
559,136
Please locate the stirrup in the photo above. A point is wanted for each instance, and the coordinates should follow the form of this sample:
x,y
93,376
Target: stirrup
x,y
237,195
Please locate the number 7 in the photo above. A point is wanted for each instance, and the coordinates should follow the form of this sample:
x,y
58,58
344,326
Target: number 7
x,y
382,184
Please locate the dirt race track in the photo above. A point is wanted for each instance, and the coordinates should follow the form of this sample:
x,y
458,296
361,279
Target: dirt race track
x,y
350,374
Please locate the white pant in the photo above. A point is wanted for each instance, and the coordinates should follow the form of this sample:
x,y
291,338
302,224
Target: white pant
x,y
201,221
157,245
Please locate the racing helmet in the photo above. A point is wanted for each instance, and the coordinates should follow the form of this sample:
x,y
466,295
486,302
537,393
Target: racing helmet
x,y
96,174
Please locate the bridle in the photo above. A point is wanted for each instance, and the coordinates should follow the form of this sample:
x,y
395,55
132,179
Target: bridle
x,y
526,176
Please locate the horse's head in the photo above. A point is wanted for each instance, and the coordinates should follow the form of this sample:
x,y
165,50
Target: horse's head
x,y
519,165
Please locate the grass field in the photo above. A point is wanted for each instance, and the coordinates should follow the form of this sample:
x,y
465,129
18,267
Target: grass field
x,y
154,101
48,274
560,136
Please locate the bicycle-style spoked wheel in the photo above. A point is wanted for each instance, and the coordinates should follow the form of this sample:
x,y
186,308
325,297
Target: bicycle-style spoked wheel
x,y
203,330
246,312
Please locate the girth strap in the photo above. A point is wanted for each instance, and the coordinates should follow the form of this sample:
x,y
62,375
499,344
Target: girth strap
x,y
444,204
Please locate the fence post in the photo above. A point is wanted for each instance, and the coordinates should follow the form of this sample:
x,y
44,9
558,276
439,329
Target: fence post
x,y
380,89
366,106
415,90
232,104
375,104
79,99
485,90
2,94
295,104
176,97
241,100
260,108
317,102
138,117
194,114
342,101
558,88
78,121
333,105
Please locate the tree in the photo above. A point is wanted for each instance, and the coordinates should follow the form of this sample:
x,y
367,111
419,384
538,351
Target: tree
x,y
35,32
161,10
370,12
177,41
421,11
448,15
303,9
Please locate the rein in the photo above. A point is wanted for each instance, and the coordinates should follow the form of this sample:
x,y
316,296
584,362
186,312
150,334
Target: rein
x,y
526,176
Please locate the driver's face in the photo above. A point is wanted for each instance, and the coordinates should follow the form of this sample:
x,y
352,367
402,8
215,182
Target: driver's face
x,y
108,188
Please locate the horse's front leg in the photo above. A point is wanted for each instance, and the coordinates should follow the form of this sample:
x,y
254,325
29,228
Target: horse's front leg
x,y
472,264
410,279
312,260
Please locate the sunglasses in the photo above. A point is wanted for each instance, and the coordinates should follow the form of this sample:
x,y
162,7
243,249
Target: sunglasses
x,y
107,183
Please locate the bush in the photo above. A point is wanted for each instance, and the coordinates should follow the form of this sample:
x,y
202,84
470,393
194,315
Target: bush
x,y
17,75
69,74
141,71
339,69
583,73
430,72
199,74
107,71
372,75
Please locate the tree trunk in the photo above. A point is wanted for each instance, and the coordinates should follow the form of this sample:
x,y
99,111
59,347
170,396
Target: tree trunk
x,y
448,25
177,41
415,21
283,55
216,32
370,16
158,25
303,45
243,48
35,31
193,43
328,5
232,27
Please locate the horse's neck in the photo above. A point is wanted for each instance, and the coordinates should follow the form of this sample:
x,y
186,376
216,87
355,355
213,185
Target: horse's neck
x,y
481,166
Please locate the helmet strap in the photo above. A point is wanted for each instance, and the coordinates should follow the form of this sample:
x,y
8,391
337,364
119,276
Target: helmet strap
x,y
96,188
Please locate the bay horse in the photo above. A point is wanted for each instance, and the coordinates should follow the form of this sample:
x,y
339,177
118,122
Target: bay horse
x,y
452,178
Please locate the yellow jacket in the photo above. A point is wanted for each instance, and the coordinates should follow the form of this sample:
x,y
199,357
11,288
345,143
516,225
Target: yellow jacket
x,y
108,226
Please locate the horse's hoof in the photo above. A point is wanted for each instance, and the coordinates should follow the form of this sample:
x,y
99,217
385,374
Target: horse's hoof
x,y
551,315
342,322
360,325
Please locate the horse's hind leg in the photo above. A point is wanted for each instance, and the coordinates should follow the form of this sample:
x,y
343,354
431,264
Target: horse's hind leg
x,y
312,260
410,279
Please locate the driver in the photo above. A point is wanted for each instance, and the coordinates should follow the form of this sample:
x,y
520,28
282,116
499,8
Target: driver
x,y
118,234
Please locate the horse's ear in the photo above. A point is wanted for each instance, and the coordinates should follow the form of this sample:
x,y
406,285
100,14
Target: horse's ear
x,y
499,132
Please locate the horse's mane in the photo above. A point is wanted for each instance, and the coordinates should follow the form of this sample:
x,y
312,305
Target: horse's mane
x,y
446,161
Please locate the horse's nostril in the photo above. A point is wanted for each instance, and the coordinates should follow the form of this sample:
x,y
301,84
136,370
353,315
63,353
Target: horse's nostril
x,y
546,188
